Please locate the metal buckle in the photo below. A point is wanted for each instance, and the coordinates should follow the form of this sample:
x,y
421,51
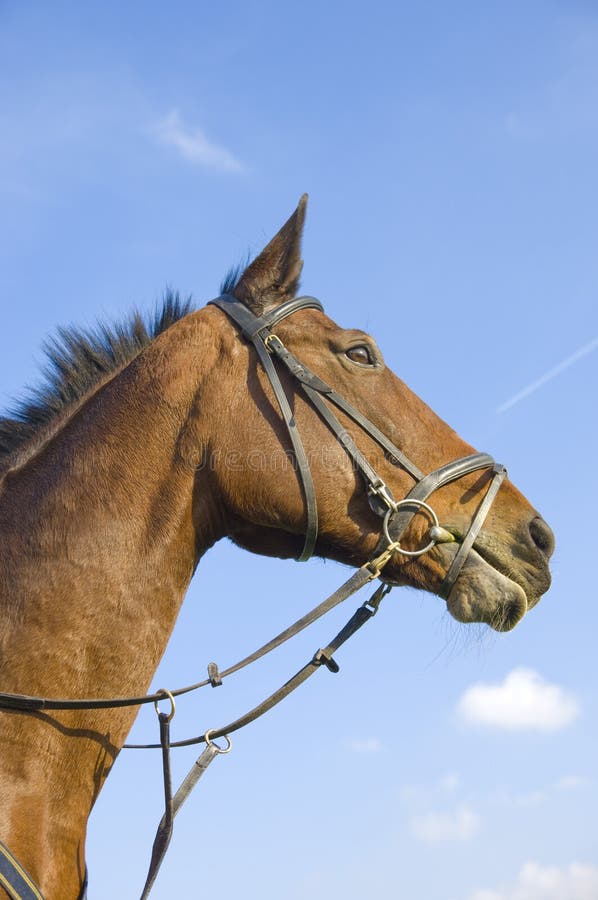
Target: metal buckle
x,y
270,339
375,566
373,603
380,489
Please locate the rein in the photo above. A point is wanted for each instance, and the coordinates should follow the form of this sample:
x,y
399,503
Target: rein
x,y
396,516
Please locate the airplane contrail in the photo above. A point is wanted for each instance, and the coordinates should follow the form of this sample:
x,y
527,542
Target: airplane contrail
x,y
548,376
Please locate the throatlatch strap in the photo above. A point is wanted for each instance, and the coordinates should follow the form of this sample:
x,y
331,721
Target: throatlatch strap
x,y
15,880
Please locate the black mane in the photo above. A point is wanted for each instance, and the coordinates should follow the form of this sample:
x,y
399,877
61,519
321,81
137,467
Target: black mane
x,y
79,359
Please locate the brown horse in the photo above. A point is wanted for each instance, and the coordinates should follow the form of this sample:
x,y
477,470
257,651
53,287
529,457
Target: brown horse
x,y
135,461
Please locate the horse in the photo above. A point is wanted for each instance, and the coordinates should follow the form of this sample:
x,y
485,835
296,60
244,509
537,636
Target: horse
x,y
132,461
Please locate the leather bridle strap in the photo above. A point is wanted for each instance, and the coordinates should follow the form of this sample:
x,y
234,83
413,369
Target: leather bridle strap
x,y
311,384
257,331
474,529
267,344
253,327
309,492
379,494
15,880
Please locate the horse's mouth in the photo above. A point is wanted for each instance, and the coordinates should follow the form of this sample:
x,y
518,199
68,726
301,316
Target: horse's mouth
x,y
499,582
493,591
482,593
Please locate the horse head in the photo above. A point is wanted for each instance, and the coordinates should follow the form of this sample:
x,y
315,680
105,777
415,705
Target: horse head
x,y
256,482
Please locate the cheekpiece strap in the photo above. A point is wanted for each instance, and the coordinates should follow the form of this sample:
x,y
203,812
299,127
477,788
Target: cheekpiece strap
x,y
257,329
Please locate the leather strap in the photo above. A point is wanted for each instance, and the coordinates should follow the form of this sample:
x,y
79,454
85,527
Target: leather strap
x,y
252,325
253,328
164,832
320,657
358,579
316,390
312,383
350,586
267,344
474,529
309,491
444,475
14,878
165,827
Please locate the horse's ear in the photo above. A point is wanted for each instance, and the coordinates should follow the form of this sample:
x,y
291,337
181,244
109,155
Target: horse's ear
x,y
273,276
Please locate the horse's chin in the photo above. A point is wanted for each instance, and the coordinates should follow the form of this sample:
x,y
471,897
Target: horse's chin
x,y
483,594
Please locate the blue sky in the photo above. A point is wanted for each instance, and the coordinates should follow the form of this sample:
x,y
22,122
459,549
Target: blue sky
x,y
450,155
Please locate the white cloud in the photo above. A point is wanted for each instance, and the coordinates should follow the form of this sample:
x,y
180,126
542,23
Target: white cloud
x,y
535,797
521,801
436,827
193,145
365,745
522,701
450,782
572,782
577,881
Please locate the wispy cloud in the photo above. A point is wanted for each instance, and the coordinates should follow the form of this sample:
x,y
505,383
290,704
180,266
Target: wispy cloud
x,y
572,782
522,701
438,827
193,145
527,800
544,794
427,795
577,881
450,783
549,375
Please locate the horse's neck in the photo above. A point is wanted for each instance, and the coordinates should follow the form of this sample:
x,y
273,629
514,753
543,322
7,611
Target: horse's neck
x,y
99,545
98,541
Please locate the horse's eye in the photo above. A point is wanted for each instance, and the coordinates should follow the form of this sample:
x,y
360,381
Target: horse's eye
x,y
360,354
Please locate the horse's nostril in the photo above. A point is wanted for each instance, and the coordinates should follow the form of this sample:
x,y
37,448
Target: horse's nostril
x,y
542,535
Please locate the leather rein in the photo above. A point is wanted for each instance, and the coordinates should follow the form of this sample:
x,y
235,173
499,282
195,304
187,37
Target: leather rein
x,y
396,515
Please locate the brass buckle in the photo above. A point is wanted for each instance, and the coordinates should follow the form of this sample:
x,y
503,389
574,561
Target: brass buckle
x,y
375,566
270,339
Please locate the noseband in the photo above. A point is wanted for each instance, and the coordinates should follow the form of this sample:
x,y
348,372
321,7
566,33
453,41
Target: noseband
x,y
396,514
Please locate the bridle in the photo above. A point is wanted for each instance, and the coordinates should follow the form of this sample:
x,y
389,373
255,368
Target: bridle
x,y
396,516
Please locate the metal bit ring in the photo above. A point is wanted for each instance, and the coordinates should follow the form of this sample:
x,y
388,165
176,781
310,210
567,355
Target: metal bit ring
x,y
410,501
